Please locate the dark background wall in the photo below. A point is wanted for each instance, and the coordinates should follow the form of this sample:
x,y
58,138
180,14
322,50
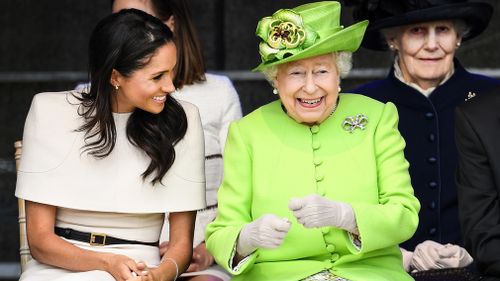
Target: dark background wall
x,y
43,45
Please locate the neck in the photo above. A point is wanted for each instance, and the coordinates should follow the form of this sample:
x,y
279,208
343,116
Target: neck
x,y
424,84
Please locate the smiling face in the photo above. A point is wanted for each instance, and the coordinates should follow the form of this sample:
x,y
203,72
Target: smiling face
x,y
146,88
308,88
426,51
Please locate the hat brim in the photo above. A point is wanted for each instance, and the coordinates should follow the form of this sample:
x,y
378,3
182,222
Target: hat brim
x,y
347,39
476,15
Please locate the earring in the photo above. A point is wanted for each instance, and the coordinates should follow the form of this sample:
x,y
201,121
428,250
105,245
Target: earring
x,y
116,87
339,89
458,44
392,47
275,91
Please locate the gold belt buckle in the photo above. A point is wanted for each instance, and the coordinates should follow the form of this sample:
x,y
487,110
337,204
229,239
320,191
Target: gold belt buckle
x,y
97,239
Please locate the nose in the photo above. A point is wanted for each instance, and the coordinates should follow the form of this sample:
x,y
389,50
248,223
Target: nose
x,y
432,40
309,84
168,85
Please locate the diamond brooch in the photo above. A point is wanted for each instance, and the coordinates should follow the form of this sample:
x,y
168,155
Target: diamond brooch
x,y
352,123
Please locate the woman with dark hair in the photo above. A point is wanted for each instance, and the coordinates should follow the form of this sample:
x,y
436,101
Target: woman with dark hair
x,y
100,169
218,103
426,83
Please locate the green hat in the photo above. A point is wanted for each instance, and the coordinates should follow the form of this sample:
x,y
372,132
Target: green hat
x,y
306,31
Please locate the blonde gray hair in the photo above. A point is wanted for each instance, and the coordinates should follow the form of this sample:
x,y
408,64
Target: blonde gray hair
x,y
343,61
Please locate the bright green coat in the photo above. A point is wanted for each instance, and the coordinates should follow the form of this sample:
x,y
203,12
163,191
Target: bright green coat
x,y
270,158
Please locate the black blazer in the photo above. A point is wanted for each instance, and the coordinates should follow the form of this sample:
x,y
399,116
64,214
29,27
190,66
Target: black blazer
x,y
477,132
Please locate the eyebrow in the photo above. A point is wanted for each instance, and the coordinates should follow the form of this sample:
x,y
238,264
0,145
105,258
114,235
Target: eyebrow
x,y
159,72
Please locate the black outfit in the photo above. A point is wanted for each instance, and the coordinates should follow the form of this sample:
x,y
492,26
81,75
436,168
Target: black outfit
x,y
426,123
478,180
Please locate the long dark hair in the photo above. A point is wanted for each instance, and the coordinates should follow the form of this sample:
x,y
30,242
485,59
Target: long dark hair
x,y
126,41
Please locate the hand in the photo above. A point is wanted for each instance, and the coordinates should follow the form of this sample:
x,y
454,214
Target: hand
x,y
432,255
153,274
317,211
163,248
201,260
268,232
150,274
407,257
121,267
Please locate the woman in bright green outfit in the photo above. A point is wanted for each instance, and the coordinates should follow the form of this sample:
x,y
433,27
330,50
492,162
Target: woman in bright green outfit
x,y
316,186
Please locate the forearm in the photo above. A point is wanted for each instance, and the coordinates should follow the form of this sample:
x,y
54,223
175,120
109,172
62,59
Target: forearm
x,y
48,248
53,250
180,248
175,261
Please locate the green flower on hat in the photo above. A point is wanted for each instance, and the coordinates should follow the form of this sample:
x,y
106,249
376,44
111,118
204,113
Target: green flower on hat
x,y
284,34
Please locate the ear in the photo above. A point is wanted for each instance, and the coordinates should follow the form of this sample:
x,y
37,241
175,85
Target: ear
x,y
459,41
391,42
274,83
170,22
116,78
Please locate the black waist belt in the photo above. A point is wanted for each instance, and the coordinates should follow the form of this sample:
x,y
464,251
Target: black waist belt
x,y
96,239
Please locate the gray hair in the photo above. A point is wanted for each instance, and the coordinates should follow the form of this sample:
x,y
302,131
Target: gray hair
x,y
462,28
343,61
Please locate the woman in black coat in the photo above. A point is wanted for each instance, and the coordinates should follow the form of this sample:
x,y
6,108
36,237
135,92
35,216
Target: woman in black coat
x,y
426,83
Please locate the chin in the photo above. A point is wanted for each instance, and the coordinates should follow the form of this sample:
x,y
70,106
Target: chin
x,y
310,120
154,110
436,77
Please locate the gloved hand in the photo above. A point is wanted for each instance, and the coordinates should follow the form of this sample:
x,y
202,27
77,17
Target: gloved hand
x,y
317,211
268,231
432,255
407,257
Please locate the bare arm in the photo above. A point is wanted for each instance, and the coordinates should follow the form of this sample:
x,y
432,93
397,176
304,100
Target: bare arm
x,y
180,247
46,247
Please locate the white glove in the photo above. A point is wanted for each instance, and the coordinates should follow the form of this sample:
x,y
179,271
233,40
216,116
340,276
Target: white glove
x,y
317,211
407,257
432,255
268,231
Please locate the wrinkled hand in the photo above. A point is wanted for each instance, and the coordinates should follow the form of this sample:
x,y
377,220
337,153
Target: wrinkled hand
x,y
121,267
268,232
432,255
317,211
201,260
407,257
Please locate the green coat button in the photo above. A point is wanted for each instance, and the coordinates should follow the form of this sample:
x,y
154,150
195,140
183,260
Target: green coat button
x,y
318,161
319,177
330,248
316,145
